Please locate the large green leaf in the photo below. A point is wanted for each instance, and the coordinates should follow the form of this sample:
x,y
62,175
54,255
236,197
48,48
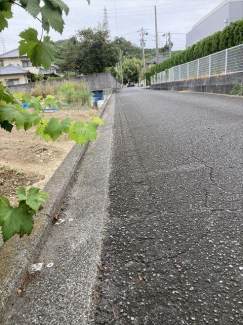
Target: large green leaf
x,y
53,15
82,133
34,197
54,128
40,130
11,114
15,220
66,125
76,133
39,52
5,97
5,13
60,4
97,120
32,6
92,131
14,114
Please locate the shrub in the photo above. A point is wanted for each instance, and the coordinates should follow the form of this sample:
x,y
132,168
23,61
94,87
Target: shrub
x,y
44,89
231,36
237,89
75,93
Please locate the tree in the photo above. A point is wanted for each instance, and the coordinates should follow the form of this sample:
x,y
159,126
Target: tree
x,y
165,50
130,50
131,69
90,51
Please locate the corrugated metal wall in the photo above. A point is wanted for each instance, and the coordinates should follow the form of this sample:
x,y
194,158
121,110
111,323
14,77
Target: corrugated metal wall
x,y
216,22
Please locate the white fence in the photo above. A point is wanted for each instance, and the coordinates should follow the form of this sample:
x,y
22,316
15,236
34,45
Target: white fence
x,y
224,62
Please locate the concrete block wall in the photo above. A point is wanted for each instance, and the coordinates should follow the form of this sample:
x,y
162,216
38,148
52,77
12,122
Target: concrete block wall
x,y
97,81
218,84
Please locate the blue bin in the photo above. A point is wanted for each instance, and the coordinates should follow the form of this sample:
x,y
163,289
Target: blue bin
x,y
97,95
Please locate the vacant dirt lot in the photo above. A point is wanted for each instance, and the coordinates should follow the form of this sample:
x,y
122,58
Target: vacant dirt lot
x,y
33,160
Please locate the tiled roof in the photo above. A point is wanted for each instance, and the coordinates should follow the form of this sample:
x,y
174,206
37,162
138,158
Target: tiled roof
x,y
12,69
47,72
11,54
161,59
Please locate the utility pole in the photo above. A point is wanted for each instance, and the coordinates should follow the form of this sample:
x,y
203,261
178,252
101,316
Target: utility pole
x,y
156,35
2,45
169,35
143,32
121,66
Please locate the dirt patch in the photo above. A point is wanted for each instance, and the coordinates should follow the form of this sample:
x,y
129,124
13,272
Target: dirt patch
x,y
11,179
36,159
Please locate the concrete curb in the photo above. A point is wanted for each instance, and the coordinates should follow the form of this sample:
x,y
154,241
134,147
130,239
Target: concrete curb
x,y
18,254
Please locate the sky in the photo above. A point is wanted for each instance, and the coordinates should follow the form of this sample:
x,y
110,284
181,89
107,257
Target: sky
x,y
125,18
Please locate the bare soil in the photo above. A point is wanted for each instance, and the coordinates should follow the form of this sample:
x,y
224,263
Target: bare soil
x,y
33,160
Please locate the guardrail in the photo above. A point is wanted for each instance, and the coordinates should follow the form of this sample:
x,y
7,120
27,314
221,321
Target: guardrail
x,y
223,62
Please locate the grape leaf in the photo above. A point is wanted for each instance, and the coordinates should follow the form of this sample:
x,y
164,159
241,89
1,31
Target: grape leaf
x,y
52,16
97,120
40,130
26,98
32,120
34,102
77,133
39,52
19,96
14,114
32,6
15,220
11,114
5,13
54,128
66,125
61,5
4,96
92,131
34,198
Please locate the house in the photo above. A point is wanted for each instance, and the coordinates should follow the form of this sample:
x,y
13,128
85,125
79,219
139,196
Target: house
x,y
227,12
153,61
22,63
13,75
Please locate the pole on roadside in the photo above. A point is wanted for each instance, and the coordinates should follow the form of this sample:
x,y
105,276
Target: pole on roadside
x,y
121,66
169,36
143,32
156,35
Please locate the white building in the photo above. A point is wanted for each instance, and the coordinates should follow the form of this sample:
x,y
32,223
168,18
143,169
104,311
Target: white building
x,y
226,13
16,69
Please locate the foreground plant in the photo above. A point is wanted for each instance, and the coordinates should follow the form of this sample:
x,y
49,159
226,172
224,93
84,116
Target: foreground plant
x,y
19,219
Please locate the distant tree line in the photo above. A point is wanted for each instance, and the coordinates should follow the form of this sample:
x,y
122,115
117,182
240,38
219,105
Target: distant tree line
x,y
231,36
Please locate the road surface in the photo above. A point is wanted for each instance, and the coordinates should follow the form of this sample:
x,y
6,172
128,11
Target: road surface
x,y
172,242
173,247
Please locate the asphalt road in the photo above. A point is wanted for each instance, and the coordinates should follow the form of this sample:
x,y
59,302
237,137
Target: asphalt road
x,y
172,251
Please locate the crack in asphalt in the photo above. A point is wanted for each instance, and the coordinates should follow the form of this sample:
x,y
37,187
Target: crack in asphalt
x,y
167,220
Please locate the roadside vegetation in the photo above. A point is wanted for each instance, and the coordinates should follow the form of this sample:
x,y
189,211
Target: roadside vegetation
x,y
18,219
68,94
237,89
231,36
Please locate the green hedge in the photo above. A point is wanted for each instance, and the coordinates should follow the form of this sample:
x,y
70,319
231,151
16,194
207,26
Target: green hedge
x,y
231,36
147,76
